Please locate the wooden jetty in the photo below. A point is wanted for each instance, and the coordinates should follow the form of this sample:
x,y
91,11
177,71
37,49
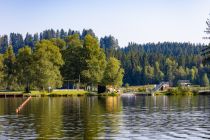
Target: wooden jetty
x,y
10,94
204,92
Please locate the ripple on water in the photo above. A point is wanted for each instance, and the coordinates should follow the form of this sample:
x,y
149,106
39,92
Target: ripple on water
x,y
108,118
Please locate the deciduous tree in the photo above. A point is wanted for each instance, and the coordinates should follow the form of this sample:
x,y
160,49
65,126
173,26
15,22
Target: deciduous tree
x,y
24,67
113,74
47,63
95,61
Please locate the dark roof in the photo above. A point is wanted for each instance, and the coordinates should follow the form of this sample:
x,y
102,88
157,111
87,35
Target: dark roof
x,y
183,81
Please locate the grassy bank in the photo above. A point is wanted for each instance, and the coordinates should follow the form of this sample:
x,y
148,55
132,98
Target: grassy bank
x,y
58,93
44,93
191,90
55,93
177,91
137,89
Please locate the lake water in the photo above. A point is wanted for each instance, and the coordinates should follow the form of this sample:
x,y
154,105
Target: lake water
x,y
128,117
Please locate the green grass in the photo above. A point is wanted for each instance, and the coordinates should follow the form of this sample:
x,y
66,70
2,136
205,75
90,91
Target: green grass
x,y
109,94
59,93
137,88
179,91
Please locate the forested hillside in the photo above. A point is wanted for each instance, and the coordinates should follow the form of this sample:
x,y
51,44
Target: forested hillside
x,y
143,63
152,63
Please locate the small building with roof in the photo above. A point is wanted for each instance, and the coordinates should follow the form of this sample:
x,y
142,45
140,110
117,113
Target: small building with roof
x,y
184,83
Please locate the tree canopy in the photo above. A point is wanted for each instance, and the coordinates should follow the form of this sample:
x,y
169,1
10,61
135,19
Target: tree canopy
x,y
47,63
86,56
95,60
113,74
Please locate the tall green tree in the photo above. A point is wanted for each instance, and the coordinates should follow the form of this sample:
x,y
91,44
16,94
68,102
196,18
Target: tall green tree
x,y
113,74
180,73
73,57
47,63
1,69
86,32
63,34
10,74
95,61
193,74
17,42
205,80
158,74
29,40
149,73
24,67
36,38
170,69
110,45
3,43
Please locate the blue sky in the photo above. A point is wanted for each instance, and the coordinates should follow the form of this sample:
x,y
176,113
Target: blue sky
x,y
138,21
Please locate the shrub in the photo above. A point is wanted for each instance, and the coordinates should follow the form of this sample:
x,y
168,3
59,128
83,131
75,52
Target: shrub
x,y
142,89
180,91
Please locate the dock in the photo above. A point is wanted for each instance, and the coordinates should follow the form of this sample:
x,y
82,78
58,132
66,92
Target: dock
x,y
10,94
204,92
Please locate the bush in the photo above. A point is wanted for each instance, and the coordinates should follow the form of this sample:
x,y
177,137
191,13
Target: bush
x,y
142,89
127,85
180,91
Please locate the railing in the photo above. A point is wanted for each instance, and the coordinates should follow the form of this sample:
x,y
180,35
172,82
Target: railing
x,y
158,87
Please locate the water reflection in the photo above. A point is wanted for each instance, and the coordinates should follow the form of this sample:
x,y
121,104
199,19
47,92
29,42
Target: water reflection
x,y
140,117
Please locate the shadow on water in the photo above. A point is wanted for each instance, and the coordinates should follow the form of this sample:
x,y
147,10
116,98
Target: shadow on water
x,y
141,117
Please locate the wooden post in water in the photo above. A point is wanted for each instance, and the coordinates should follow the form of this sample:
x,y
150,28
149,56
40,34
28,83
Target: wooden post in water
x,y
23,104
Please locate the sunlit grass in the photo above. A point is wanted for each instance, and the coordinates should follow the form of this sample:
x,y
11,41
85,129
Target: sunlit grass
x,y
59,93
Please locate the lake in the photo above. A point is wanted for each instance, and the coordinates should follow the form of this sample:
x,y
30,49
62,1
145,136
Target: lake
x,y
127,117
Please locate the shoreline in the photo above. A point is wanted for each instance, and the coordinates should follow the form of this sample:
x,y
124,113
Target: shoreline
x,y
175,91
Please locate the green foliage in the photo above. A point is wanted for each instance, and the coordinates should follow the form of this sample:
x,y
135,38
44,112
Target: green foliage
x,y
47,62
180,91
152,63
73,57
142,89
143,63
59,93
29,40
95,61
1,70
149,73
24,67
86,32
16,40
10,74
170,68
205,80
3,43
158,74
127,85
59,42
110,45
113,74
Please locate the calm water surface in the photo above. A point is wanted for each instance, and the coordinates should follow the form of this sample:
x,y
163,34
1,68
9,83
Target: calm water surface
x,y
129,117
